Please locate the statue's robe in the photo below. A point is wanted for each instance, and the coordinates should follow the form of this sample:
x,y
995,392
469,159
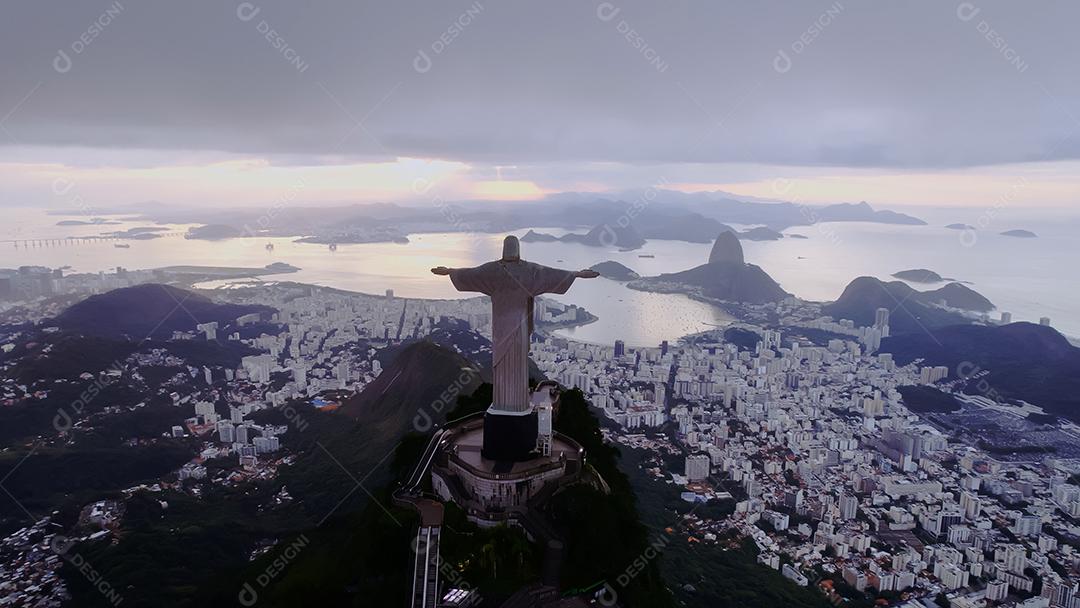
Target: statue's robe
x,y
512,286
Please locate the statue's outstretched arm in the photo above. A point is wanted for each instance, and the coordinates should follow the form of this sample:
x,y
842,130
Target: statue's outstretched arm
x,y
482,279
588,273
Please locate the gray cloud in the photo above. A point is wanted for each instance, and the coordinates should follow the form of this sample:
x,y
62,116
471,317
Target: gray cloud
x,y
909,84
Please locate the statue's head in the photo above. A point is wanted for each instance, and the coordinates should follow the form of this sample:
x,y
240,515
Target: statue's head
x,y
511,249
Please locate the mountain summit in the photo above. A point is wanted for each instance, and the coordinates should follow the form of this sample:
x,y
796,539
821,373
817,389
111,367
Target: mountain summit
x,y
727,249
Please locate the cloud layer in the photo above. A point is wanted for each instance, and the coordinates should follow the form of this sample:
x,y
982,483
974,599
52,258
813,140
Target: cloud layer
x,y
922,84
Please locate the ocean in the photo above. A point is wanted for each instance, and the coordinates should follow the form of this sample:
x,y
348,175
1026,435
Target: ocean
x,y
1030,278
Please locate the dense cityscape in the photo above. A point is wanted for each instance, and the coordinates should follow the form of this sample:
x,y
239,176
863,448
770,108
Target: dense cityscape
x,y
801,430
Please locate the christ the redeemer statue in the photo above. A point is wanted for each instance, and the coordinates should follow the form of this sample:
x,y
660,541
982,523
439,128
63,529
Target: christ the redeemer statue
x,y
513,284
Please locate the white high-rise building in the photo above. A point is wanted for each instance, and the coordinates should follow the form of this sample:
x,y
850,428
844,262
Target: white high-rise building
x,y
970,505
207,411
697,467
258,367
343,374
881,319
1015,559
204,408
299,375
849,506
264,445
996,590
951,575
1028,525
226,432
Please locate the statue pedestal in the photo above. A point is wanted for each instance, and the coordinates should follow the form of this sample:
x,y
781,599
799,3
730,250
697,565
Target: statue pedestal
x,y
509,436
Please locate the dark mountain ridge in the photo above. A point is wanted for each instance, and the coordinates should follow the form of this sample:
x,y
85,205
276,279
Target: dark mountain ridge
x,y
609,235
910,310
1021,360
958,295
150,310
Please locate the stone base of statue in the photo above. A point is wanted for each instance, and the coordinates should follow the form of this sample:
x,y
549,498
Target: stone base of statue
x,y
495,491
510,436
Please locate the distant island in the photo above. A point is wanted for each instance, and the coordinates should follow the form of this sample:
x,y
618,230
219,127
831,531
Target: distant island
x,y
609,235
356,238
615,271
1020,234
229,272
652,214
141,233
797,236
533,236
213,232
960,227
602,235
189,276
97,221
919,275
760,233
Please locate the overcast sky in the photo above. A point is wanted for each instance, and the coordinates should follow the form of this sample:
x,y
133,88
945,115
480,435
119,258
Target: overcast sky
x,y
208,102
